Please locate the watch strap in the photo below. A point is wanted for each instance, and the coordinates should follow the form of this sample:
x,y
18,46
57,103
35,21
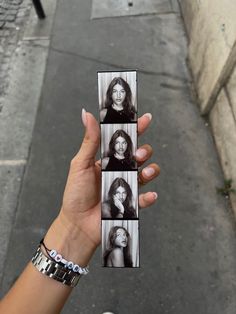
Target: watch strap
x,y
54,270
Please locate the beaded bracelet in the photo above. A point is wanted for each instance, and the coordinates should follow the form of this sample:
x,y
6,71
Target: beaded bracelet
x,y
55,256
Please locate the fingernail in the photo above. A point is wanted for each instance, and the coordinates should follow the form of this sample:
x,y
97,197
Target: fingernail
x,y
148,171
84,118
141,153
155,195
149,115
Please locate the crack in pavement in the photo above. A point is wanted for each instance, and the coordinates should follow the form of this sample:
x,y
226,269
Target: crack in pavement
x,y
146,72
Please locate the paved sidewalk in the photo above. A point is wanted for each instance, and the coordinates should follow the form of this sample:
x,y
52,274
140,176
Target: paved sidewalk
x,y
188,250
13,16
24,44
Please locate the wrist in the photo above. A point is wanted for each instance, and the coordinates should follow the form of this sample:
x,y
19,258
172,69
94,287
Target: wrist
x,y
69,241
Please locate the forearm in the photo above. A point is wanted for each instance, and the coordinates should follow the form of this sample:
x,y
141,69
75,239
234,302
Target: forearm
x,y
36,293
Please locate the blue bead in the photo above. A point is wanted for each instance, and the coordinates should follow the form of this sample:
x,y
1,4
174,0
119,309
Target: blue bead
x,y
53,253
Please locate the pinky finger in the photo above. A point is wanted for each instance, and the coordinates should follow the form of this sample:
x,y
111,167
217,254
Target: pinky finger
x,y
147,199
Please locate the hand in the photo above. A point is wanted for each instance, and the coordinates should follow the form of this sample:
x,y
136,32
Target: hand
x,y
80,214
118,204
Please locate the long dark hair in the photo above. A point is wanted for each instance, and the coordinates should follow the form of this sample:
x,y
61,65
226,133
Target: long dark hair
x,y
127,104
111,245
129,151
128,201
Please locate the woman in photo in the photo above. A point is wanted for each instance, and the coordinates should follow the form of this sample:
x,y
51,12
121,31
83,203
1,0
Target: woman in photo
x,y
118,103
119,203
120,154
118,252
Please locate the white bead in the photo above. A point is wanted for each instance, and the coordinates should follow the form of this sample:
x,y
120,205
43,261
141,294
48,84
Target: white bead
x,y
70,265
85,271
58,258
81,271
53,253
76,268
64,261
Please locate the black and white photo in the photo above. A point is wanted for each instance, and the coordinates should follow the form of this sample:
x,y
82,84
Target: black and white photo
x,y
119,195
117,94
118,145
120,243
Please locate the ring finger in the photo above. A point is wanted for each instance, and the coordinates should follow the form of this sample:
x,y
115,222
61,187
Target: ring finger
x,y
148,173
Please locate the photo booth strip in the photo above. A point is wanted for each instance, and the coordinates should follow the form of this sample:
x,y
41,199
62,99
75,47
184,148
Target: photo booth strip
x,y
117,97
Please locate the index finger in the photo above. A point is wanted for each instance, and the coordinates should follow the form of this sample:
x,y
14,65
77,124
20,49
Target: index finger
x,y
143,122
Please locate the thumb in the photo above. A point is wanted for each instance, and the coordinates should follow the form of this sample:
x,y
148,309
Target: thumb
x,y
86,155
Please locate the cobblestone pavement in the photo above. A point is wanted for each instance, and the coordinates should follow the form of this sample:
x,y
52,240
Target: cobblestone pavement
x,y
13,16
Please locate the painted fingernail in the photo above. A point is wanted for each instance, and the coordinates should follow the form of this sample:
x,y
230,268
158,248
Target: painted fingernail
x,y
141,153
148,171
84,118
149,115
155,195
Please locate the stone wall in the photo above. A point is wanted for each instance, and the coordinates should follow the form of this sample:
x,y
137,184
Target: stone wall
x,y
211,29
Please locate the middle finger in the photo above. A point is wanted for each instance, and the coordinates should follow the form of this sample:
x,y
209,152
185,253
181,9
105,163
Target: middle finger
x,y
143,153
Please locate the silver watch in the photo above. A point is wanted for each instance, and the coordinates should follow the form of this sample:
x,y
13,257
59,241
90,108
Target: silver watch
x,y
54,270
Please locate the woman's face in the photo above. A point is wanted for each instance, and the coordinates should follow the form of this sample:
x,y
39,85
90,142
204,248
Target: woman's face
x,y
121,194
118,94
120,145
121,238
